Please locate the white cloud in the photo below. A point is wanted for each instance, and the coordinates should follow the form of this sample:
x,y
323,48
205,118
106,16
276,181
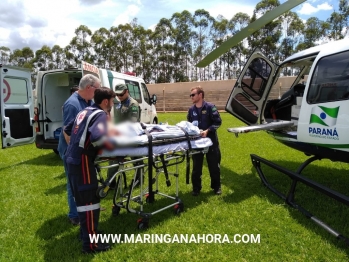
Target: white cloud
x,y
152,27
228,10
325,6
138,2
127,15
308,9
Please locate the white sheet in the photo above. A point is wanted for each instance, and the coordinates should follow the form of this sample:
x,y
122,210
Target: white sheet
x,y
133,134
200,143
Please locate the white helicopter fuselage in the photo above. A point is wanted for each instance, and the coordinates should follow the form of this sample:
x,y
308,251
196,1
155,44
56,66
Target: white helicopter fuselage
x,y
311,117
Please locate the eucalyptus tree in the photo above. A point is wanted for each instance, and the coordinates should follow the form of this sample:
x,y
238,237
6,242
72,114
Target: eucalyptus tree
x,y
69,56
315,31
43,58
163,40
123,44
16,58
339,21
5,53
203,22
101,47
27,54
219,33
182,24
239,52
293,28
22,57
145,51
267,37
115,59
80,45
135,42
58,57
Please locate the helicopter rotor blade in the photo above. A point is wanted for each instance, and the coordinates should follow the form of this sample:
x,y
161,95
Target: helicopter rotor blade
x,y
249,30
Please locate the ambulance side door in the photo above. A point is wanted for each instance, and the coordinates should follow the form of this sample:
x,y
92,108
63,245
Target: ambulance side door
x,y
17,109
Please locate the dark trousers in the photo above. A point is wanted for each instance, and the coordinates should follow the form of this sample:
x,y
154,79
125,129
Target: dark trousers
x,y
83,179
213,158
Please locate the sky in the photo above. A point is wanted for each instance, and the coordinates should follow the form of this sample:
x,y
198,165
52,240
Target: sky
x,y
35,23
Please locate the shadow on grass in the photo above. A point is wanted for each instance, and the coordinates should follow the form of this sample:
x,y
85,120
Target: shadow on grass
x,y
330,211
60,241
45,160
241,186
56,190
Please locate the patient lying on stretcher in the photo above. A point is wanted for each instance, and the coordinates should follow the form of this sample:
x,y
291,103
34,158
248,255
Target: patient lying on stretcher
x,y
132,141
128,133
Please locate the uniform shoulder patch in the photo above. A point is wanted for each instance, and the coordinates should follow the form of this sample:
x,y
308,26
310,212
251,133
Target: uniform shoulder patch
x,y
81,117
134,108
214,108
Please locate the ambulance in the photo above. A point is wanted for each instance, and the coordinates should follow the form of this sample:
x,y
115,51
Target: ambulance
x,y
24,120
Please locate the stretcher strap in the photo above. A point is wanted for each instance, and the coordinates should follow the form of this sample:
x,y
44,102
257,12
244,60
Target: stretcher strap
x,y
168,183
187,156
150,163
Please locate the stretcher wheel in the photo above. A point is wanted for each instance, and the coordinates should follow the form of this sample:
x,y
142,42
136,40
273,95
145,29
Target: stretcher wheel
x,y
179,208
142,224
115,210
100,192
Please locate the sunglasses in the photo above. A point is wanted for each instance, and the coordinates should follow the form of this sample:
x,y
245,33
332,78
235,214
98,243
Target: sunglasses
x,y
192,95
121,93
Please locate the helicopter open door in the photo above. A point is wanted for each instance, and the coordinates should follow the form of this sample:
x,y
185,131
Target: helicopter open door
x,y
249,94
17,113
251,88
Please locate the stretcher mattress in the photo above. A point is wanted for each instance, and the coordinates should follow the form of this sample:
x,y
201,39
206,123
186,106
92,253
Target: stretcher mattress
x,y
132,134
200,143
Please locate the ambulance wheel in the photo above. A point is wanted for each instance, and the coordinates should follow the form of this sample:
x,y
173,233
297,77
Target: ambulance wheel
x,y
116,210
100,192
142,224
155,121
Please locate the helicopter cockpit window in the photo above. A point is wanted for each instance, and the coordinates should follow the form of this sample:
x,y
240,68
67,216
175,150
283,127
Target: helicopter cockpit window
x,y
256,78
330,81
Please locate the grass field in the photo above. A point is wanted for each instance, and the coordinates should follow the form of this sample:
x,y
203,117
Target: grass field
x,y
34,225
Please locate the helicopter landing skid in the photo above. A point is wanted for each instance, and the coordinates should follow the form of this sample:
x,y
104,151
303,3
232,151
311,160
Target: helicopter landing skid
x,y
296,177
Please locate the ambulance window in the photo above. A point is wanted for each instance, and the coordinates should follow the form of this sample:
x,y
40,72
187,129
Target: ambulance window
x,y
145,93
330,80
134,90
256,78
15,91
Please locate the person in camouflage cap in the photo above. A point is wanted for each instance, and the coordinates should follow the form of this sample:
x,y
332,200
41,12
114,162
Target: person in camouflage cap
x,y
125,110
128,108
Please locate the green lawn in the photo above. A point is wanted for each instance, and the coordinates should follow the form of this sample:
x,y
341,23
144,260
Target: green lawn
x,y
35,227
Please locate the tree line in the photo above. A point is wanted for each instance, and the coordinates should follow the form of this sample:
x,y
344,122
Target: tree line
x,y
170,51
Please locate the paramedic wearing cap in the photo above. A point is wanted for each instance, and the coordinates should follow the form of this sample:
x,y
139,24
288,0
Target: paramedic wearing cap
x,y
128,108
205,116
74,104
86,135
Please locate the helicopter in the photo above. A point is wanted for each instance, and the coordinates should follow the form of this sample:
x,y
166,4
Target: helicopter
x,y
310,117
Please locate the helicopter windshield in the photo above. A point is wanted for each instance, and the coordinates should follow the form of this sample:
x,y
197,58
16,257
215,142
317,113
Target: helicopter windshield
x,y
330,81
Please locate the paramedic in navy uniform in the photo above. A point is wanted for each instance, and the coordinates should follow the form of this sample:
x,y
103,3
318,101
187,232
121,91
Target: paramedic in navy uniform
x,y
75,103
205,116
86,135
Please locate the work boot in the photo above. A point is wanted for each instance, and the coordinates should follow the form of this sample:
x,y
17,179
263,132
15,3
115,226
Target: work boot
x,y
100,247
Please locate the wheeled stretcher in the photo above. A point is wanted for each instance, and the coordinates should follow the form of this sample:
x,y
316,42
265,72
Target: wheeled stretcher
x,y
165,147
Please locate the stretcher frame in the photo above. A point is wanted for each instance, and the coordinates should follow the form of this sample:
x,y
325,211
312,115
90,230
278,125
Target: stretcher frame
x,y
124,195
